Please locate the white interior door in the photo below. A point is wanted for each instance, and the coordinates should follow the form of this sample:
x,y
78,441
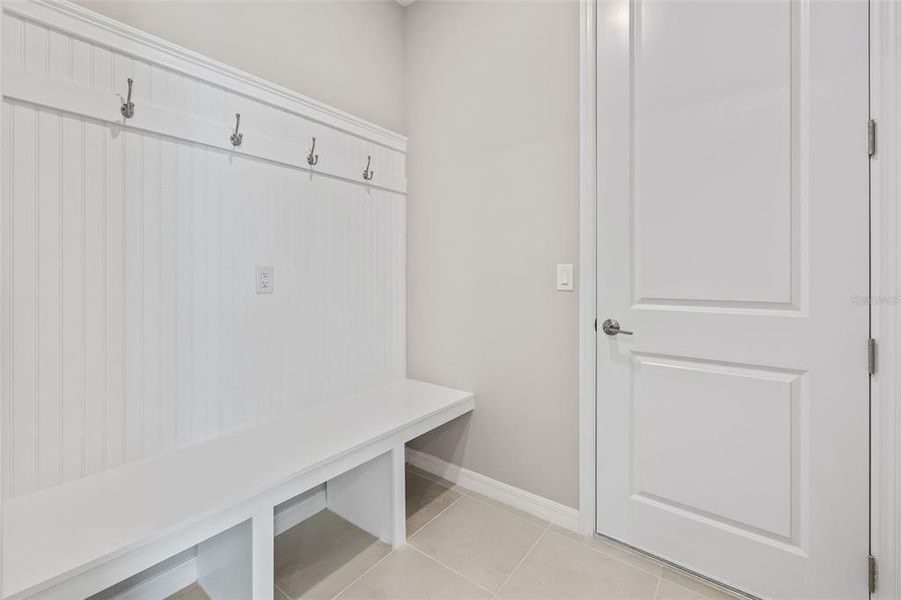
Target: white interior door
x,y
732,428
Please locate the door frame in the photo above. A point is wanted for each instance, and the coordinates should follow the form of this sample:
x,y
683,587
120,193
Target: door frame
x,y
885,279
587,265
884,293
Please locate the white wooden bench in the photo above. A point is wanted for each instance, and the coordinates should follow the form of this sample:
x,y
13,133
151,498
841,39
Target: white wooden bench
x,y
77,539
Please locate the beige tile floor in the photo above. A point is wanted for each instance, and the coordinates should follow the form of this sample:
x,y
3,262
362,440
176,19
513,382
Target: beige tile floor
x,y
463,545
192,592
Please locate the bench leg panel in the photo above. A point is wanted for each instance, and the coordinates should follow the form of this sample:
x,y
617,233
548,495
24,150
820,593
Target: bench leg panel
x,y
263,554
399,496
366,496
224,563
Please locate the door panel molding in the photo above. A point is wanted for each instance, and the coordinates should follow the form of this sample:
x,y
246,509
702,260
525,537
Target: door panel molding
x,y
666,271
760,403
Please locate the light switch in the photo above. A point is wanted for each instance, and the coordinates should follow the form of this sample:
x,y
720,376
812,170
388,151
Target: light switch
x,y
565,278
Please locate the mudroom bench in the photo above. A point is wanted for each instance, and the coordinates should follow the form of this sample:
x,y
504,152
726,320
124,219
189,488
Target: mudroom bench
x,y
215,501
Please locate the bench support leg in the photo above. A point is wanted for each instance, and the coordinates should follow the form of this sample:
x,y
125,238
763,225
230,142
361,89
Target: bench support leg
x,y
398,497
371,496
226,565
263,554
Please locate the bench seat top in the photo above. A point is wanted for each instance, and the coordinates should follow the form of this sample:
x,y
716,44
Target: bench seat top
x,y
56,532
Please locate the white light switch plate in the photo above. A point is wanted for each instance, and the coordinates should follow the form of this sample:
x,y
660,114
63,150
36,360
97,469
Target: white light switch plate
x,y
265,279
565,278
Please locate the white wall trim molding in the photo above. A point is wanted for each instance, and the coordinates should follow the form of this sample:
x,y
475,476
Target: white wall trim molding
x,y
536,505
121,37
5,357
885,279
171,85
587,267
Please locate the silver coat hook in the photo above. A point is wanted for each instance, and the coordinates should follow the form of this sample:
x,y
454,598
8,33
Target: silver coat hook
x,y
128,108
237,138
313,159
367,174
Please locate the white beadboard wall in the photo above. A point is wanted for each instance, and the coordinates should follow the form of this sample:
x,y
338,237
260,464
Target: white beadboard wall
x,y
130,322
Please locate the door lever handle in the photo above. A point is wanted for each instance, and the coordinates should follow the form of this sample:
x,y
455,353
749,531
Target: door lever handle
x,y
611,327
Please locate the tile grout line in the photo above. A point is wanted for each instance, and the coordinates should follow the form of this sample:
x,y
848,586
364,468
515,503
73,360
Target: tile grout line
x,y
523,559
275,585
429,522
664,567
703,593
452,570
479,497
363,574
469,493
423,526
534,520
462,494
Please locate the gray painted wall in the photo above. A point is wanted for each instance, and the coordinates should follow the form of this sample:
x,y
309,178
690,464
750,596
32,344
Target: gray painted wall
x,y
493,205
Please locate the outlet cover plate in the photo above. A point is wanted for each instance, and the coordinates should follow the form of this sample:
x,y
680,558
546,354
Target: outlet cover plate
x,y
265,279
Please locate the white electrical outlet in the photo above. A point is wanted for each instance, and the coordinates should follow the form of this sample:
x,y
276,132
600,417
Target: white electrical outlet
x,y
265,279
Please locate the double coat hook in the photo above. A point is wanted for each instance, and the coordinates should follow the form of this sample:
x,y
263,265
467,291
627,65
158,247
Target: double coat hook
x,y
313,159
367,174
128,107
237,138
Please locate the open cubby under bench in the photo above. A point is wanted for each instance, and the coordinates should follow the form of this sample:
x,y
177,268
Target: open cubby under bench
x,y
217,498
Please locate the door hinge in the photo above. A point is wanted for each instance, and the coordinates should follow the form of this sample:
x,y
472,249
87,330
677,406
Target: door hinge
x,y
871,356
871,137
872,574
595,325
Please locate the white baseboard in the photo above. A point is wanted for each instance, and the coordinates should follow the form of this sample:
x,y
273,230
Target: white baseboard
x,y
298,510
164,584
536,505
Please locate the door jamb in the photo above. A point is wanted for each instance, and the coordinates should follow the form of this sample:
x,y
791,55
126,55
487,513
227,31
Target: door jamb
x,y
587,266
885,251
885,300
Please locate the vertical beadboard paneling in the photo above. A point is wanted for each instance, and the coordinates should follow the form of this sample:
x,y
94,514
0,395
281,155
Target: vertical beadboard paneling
x,y
12,42
82,62
196,358
130,320
150,297
23,442
49,298
94,306
167,259
102,71
6,291
113,201
72,275
35,48
184,348
133,207
59,56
